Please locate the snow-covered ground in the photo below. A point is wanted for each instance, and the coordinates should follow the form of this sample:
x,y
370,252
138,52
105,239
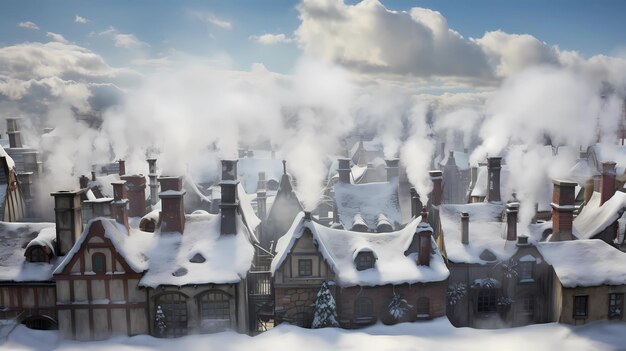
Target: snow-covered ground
x,y
434,335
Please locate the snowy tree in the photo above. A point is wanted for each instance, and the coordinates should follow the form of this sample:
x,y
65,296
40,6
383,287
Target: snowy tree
x,y
398,307
325,309
455,293
159,320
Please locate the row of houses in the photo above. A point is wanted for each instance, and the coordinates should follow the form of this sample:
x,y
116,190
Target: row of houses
x,y
117,260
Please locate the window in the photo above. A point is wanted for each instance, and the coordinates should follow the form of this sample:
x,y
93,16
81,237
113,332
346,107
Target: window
x,y
616,306
37,254
305,267
365,260
98,262
363,310
528,304
172,320
423,307
580,306
486,302
215,305
526,271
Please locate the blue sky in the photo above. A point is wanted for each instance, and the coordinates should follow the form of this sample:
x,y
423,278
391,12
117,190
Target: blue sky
x,y
589,27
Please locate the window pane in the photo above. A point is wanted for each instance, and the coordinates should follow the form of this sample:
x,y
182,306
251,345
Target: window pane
x,y
305,267
98,265
580,306
616,305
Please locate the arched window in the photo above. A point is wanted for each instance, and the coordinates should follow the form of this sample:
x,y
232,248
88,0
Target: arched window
x,y
423,307
365,260
40,323
98,262
170,315
37,254
214,310
364,310
486,302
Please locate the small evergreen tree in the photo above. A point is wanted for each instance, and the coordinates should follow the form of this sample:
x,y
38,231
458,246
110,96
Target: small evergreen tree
x,y
159,320
398,306
325,309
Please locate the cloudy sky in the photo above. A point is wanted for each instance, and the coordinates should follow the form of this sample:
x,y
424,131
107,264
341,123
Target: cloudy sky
x,y
286,70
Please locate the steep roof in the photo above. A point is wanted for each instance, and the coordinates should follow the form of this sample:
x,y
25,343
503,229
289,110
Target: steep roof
x,y
585,262
339,248
14,239
594,218
369,201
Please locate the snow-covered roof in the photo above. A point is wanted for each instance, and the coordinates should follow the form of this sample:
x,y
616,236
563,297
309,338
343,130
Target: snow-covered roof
x,y
595,218
486,232
581,171
131,245
224,258
461,159
9,159
14,239
585,262
369,200
338,247
248,169
615,153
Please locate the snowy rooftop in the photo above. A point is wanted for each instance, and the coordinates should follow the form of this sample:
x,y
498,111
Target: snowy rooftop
x,y
486,232
369,200
460,158
248,169
200,255
615,153
339,247
14,239
595,218
585,262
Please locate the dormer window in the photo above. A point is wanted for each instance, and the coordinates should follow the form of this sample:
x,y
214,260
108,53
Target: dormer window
x,y
365,260
98,263
38,254
526,271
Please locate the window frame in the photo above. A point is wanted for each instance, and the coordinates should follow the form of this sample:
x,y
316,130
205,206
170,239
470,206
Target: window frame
x,y
364,310
176,302
616,300
581,302
94,259
38,254
526,271
303,270
365,260
528,304
487,301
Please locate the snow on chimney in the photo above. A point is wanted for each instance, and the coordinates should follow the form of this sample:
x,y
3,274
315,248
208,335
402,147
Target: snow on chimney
x,y
435,196
562,210
229,202
13,130
607,181
465,228
494,165
392,169
343,169
136,185
122,167
511,221
68,219
154,185
172,206
119,205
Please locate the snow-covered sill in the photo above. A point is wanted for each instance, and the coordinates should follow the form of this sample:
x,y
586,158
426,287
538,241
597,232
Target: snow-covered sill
x,y
527,280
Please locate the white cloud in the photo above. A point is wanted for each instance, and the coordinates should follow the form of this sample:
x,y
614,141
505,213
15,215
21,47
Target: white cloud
x,y
212,19
270,39
124,40
28,25
80,19
57,37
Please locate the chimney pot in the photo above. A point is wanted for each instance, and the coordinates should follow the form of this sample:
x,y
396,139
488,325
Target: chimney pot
x,y
122,167
307,215
511,221
343,169
119,205
93,176
607,181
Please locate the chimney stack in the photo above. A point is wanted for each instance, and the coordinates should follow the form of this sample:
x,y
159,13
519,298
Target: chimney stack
x,y
68,219
494,165
122,167
154,185
562,210
307,216
136,185
119,205
13,130
261,197
465,228
607,181
343,169
392,169
172,206
83,182
93,176
229,202
511,221
425,233
435,196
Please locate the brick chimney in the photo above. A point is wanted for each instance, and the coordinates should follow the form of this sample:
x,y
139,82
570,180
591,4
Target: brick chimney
x,y
68,219
435,196
494,165
607,181
122,167
562,210
511,221
392,169
83,181
93,176
343,169
119,205
13,130
424,234
154,185
465,228
229,202
172,206
261,197
136,185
